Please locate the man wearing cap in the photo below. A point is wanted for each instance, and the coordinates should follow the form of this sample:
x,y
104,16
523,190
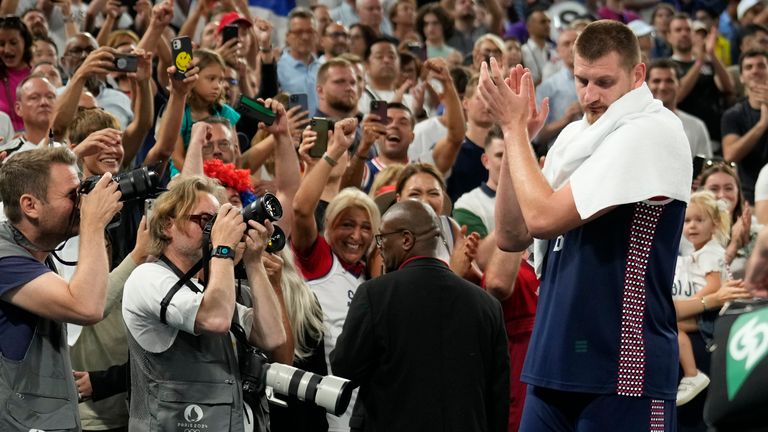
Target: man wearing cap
x,y
244,37
750,11
427,348
298,65
747,12
644,33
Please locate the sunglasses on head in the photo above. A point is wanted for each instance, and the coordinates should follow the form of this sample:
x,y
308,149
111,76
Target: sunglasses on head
x,y
12,21
718,162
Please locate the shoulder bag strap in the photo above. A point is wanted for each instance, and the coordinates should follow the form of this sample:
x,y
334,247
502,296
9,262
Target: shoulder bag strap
x,y
184,279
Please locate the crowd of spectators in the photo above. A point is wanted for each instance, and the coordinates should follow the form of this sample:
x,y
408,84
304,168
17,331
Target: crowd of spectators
x,y
398,85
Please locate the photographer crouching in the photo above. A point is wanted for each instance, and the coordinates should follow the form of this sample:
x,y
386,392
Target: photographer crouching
x,y
184,372
39,190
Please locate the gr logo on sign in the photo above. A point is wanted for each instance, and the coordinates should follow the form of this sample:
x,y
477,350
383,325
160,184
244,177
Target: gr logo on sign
x,y
747,346
193,413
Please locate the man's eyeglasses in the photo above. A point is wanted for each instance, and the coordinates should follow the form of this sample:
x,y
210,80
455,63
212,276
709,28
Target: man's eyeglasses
x,y
222,145
301,33
79,51
379,238
201,219
338,35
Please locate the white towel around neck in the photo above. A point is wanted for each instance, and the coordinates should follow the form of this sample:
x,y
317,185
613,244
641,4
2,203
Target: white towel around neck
x,y
635,151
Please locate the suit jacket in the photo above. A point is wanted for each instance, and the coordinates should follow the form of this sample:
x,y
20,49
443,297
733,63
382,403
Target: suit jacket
x,y
428,350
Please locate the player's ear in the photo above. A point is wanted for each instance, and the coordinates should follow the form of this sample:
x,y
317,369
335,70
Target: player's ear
x,y
638,74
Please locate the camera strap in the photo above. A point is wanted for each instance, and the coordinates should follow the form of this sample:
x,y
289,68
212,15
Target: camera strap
x,y
184,279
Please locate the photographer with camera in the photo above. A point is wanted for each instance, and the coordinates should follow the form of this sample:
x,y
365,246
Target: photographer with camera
x,y
39,190
184,373
97,142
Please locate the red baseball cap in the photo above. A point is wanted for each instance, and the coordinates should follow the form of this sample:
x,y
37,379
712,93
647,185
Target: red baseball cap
x,y
233,18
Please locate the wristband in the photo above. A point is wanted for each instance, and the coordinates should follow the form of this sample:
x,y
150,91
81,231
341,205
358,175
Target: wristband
x,y
331,161
365,158
704,303
265,49
223,252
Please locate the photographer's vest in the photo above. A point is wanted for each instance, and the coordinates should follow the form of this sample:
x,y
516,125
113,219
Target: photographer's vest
x,y
38,392
193,385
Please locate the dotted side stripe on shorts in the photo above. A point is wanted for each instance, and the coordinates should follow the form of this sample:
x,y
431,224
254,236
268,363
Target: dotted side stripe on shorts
x,y
657,415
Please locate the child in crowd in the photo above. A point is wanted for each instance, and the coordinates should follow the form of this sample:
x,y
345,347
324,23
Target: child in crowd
x,y
706,226
204,101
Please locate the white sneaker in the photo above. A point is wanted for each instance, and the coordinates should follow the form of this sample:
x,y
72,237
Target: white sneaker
x,y
691,386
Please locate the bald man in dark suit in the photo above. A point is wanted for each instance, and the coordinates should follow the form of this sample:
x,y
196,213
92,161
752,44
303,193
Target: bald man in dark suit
x,y
427,348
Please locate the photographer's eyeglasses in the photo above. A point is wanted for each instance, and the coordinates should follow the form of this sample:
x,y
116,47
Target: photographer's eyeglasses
x,y
201,219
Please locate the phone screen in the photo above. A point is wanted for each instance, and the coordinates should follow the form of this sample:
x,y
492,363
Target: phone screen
x,y
229,32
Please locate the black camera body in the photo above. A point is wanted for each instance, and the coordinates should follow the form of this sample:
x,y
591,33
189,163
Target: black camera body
x,y
126,63
264,208
140,183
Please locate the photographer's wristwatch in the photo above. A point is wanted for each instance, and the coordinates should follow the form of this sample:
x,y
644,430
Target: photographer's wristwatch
x,y
223,252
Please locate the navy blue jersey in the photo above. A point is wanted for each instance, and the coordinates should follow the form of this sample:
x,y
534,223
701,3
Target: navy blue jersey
x,y
606,321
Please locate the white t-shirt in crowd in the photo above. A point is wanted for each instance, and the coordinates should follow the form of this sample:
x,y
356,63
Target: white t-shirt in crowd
x,y
691,270
761,185
145,289
426,134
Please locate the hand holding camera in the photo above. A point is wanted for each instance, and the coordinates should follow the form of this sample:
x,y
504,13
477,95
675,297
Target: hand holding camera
x,y
256,240
143,70
100,204
228,228
100,62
